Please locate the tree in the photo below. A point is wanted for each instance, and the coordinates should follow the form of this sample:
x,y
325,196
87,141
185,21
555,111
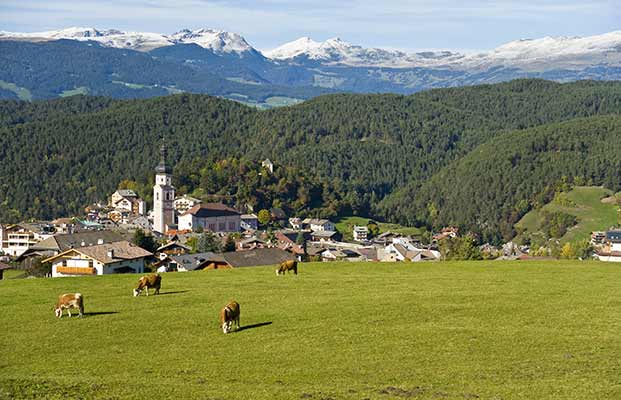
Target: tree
x,y
264,217
38,268
373,228
229,244
300,238
205,242
145,241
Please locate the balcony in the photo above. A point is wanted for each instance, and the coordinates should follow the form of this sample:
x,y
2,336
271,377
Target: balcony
x,y
76,270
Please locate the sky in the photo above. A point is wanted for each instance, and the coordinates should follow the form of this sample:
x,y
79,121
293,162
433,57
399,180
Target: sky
x,y
410,25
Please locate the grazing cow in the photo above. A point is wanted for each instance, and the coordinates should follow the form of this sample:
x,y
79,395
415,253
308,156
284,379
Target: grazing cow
x,y
68,301
147,282
289,265
228,315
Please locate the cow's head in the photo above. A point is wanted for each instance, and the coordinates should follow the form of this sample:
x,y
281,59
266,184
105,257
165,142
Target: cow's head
x,y
58,311
278,271
226,327
136,292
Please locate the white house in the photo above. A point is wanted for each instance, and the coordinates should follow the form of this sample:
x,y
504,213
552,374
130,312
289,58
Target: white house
x,y
249,222
361,233
103,259
215,217
16,239
611,249
295,223
321,225
185,202
128,200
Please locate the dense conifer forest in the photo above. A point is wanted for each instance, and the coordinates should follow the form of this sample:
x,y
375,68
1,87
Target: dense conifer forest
x,y
478,157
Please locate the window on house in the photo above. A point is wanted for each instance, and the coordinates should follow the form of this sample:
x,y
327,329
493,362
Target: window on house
x,y
90,263
64,263
232,226
157,196
221,226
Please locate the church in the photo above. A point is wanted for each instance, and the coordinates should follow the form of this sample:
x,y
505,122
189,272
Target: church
x,y
215,217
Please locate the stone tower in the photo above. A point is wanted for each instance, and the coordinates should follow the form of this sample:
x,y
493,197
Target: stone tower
x,y
163,195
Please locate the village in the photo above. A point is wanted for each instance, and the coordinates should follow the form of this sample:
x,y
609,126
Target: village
x,y
181,233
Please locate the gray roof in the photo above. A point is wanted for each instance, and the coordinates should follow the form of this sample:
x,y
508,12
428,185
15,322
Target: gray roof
x,y
191,262
127,193
251,240
67,241
324,234
257,257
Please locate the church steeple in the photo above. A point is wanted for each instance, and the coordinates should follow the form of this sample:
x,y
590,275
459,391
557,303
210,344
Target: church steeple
x,y
163,195
162,168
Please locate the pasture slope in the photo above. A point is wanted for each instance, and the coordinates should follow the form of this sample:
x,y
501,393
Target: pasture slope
x,y
585,203
488,330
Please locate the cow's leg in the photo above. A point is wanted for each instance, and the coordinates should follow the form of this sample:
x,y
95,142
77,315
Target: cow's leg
x,y
69,312
81,312
147,290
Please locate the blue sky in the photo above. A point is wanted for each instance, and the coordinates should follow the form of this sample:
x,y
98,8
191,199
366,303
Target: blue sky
x,y
401,24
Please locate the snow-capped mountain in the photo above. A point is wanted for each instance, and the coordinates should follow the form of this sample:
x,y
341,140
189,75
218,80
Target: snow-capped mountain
x,y
526,54
553,52
535,55
218,41
337,51
215,40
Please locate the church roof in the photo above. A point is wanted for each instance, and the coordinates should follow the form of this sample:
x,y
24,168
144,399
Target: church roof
x,y
211,210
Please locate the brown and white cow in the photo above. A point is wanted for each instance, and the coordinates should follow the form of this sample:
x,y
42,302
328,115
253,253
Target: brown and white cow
x,y
228,315
68,301
289,265
148,282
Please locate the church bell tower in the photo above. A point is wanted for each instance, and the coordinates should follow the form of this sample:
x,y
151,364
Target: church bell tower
x,y
163,195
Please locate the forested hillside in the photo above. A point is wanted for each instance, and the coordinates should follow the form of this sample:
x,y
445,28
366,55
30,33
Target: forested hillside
x,y
491,188
57,156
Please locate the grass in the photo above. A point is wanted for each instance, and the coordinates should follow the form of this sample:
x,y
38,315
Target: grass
x,y
21,92
489,330
132,85
345,226
79,90
281,101
591,212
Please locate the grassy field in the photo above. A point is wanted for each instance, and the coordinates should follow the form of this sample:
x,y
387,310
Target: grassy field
x,y
74,92
591,212
345,226
21,92
489,330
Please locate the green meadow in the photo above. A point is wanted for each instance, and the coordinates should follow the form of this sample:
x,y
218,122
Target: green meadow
x,y
454,330
583,202
345,226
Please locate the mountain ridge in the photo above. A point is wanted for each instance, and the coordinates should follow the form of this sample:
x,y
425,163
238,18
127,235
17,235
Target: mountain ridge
x,y
531,54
